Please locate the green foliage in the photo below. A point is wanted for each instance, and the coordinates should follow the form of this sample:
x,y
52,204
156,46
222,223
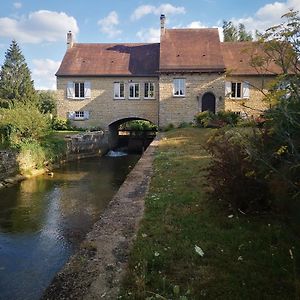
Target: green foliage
x,y
244,255
204,118
234,33
233,174
15,78
139,125
46,102
61,124
23,123
222,118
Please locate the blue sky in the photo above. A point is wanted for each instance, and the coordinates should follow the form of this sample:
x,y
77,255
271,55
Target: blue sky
x,y
40,26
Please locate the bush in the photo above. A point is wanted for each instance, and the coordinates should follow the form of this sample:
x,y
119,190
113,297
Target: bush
x,y
138,125
222,118
233,175
204,119
228,117
61,124
24,122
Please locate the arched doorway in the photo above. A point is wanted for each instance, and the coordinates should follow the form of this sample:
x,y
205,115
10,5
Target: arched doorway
x,y
208,102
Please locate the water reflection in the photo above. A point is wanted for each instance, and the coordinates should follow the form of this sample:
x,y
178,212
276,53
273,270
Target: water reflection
x,y
43,219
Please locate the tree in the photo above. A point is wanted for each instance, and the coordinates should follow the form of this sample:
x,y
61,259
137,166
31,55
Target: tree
x,y
47,102
243,34
230,32
234,33
15,77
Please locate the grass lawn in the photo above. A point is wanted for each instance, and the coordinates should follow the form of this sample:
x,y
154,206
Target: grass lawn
x,y
245,257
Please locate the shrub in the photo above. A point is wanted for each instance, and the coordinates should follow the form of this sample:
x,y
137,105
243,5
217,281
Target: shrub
x,y
138,125
61,124
233,175
222,118
203,119
23,122
228,117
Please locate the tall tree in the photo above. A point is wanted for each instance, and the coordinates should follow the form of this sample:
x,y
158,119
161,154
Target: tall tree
x,y
230,32
243,34
234,33
15,78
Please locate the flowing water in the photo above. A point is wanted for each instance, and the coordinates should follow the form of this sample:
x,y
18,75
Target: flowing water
x,y
43,220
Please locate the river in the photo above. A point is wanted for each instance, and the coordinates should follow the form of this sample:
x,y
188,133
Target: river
x,y
43,220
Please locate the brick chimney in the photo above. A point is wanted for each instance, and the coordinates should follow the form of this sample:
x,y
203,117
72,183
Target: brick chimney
x,y
162,24
70,40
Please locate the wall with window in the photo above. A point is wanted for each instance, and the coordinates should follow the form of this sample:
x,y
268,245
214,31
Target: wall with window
x,y
180,95
99,101
244,94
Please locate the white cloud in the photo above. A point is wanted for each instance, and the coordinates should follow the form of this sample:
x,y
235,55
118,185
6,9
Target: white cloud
x,y
196,24
17,5
39,26
108,25
166,8
43,73
268,15
150,35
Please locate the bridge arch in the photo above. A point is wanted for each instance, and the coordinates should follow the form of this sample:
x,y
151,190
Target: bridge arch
x,y
114,126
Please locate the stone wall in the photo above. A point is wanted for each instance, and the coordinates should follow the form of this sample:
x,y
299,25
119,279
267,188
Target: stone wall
x,y
86,144
78,146
8,164
176,110
255,105
103,109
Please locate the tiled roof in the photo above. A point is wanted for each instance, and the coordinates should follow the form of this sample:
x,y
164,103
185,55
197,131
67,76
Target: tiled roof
x,y
110,60
238,56
191,50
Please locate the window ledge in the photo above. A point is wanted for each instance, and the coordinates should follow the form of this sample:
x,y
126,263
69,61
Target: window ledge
x,y
119,98
178,96
134,98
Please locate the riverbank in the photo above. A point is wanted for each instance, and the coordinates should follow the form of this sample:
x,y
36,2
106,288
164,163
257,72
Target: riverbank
x,y
33,159
96,270
189,247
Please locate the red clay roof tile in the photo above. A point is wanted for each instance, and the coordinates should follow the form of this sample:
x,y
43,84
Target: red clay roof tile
x,y
238,56
110,60
191,50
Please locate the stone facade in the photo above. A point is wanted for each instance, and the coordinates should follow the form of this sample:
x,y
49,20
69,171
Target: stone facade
x,y
254,106
165,108
175,110
103,108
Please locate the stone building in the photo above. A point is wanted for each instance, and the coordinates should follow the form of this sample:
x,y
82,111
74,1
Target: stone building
x,y
189,71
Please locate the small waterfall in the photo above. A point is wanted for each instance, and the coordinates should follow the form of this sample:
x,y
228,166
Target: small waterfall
x,y
113,153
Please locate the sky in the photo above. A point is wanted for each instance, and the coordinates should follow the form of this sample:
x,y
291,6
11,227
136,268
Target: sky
x,y
40,26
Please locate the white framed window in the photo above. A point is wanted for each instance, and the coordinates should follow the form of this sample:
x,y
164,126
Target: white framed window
x,y
79,115
134,90
237,90
119,90
179,87
79,90
149,90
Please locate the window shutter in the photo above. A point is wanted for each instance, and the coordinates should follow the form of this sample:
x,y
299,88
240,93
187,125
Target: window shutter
x,y
86,114
87,89
70,90
227,89
116,90
71,115
246,90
